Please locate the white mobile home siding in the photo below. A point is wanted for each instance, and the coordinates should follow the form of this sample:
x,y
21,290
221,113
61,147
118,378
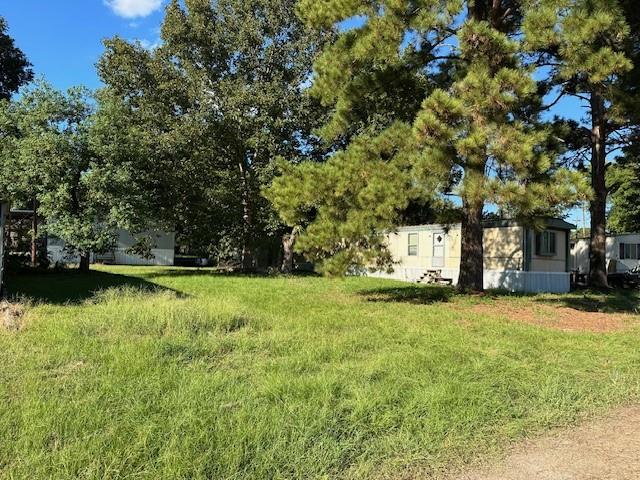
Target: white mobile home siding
x,y
411,268
615,264
613,251
555,263
163,253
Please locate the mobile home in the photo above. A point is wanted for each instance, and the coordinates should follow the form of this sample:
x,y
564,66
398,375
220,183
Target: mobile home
x,y
623,253
162,252
517,257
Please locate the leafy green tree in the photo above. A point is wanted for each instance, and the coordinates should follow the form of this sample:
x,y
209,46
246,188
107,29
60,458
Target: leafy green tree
x,y
25,128
589,48
15,69
624,183
623,177
209,110
473,137
51,161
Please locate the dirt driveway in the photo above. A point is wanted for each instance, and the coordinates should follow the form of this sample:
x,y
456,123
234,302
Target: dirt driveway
x,y
605,449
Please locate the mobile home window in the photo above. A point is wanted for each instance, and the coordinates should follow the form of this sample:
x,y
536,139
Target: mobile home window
x,y
629,251
413,244
546,243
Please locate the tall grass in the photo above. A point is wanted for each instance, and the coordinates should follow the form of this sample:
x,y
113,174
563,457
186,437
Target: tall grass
x,y
224,377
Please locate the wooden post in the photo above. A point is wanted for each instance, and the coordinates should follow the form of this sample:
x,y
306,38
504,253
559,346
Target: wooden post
x,y
34,236
3,219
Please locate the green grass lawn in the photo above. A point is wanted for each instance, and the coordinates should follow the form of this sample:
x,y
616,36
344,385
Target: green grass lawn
x,y
170,373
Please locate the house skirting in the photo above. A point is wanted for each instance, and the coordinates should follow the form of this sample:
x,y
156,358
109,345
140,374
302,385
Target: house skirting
x,y
510,280
528,282
161,257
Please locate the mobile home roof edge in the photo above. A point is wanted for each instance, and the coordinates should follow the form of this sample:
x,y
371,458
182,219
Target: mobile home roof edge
x,y
547,222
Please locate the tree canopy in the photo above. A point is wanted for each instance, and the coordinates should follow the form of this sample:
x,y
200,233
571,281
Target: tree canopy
x,y
15,69
254,126
624,184
589,49
49,161
212,107
474,138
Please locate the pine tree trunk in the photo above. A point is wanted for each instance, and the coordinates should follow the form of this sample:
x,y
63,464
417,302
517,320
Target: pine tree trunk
x,y
84,262
472,249
247,260
472,244
288,241
598,245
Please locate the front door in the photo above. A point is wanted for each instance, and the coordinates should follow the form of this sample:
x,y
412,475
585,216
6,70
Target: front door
x,y
438,250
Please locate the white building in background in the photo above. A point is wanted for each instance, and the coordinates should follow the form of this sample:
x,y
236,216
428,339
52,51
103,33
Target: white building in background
x,y
623,253
162,252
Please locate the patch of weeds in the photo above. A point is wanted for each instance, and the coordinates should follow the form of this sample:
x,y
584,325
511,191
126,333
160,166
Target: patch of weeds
x,y
235,323
114,294
12,316
182,352
64,370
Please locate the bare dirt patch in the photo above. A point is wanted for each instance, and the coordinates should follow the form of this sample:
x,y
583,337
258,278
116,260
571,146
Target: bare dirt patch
x,y
559,318
11,316
67,369
605,449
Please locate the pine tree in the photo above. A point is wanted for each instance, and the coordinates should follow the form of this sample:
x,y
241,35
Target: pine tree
x,y
474,135
588,47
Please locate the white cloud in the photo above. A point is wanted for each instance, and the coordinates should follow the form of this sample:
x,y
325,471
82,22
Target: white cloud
x,y
147,44
133,8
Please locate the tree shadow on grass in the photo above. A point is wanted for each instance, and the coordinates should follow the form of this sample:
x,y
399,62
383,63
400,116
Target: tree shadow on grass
x,y
211,272
414,294
198,272
428,294
615,301
59,288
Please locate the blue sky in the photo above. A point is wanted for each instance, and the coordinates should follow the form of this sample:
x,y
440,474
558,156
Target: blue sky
x,y
63,38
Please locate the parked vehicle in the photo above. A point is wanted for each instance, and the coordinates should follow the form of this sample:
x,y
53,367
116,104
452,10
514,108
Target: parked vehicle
x,y
628,279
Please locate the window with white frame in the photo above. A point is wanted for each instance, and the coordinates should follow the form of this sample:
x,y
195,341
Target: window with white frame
x,y
546,243
629,251
413,245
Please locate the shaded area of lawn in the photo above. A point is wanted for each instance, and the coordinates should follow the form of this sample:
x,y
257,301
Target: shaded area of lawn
x,y
615,301
414,294
70,286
